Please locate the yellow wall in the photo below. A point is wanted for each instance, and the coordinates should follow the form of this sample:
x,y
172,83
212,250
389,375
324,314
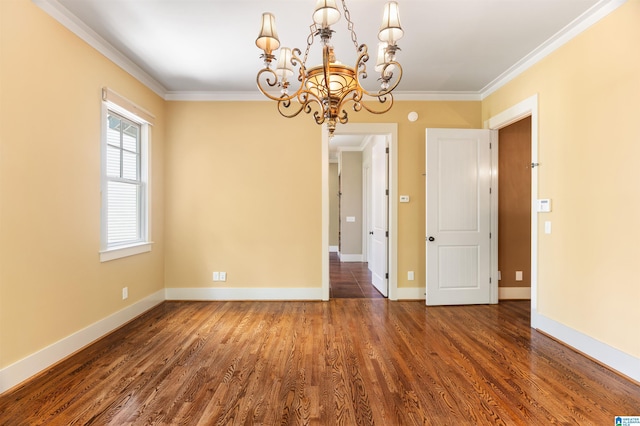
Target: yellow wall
x,y
245,199
589,147
52,283
243,196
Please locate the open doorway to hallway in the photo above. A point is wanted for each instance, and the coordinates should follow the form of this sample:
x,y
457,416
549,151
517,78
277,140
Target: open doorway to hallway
x,y
390,132
358,211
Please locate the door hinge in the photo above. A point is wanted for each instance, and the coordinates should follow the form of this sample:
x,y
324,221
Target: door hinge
x,y
386,233
386,192
489,235
386,150
489,145
489,190
489,280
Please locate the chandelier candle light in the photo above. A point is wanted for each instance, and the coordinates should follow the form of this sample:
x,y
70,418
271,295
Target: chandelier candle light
x,y
328,88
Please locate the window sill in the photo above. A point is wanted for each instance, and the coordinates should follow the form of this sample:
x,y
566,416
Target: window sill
x,y
125,251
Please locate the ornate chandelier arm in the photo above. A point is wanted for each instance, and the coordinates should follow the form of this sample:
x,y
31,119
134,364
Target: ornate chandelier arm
x,y
270,78
386,75
385,100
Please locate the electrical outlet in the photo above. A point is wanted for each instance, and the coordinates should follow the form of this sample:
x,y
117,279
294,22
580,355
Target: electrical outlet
x,y
518,275
223,276
216,276
410,276
125,293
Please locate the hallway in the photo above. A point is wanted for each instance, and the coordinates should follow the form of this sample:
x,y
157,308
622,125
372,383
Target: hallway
x,y
350,280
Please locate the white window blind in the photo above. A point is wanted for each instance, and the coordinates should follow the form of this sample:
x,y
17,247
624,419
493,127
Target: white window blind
x,y
124,185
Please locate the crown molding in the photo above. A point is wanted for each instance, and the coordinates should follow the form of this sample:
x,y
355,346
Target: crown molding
x,y
70,21
571,30
79,28
256,96
214,96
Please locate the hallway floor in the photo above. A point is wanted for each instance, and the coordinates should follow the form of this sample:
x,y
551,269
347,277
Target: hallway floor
x,y
350,280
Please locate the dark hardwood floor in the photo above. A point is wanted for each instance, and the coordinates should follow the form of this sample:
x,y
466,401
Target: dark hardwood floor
x,y
347,362
348,280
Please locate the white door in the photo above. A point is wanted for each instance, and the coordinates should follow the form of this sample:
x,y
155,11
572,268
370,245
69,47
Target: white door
x,y
379,173
458,210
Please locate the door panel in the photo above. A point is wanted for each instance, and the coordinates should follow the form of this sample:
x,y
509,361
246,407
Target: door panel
x,y
458,164
379,244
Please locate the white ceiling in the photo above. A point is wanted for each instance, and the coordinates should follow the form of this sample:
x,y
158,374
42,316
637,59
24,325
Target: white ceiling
x,y
205,49
190,47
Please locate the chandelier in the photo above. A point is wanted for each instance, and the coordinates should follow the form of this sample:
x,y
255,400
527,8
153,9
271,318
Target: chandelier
x,y
328,89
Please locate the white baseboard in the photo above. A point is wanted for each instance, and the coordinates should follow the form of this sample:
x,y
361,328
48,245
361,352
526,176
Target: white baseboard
x,y
333,249
410,293
608,355
350,257
243,293
513,293
20,371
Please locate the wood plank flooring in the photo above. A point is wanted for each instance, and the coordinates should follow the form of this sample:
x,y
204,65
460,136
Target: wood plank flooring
x,y
348,280
343,362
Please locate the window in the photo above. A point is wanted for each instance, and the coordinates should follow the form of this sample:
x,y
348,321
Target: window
x,y
125,192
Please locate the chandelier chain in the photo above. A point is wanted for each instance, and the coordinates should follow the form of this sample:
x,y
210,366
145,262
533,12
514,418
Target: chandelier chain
x,y
313,29
347,16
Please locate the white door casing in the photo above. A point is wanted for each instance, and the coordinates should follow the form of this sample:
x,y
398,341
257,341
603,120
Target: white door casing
x,y
458,216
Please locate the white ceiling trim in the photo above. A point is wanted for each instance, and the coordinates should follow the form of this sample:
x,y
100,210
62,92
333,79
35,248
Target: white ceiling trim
x,y
574,28
79,28
257,96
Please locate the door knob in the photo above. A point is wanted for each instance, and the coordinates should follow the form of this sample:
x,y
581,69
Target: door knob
x,y
431,239
370,232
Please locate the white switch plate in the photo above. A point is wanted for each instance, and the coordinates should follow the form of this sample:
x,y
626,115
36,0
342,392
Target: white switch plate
x,y
544,205
547,227
216,276
404,198
223,276
518,275
125,293
351,218
410,276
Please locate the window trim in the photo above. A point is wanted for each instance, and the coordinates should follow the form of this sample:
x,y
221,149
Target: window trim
x,y
118,251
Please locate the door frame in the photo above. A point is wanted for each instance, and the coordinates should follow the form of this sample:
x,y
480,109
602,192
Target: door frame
x,y
390,130
525,108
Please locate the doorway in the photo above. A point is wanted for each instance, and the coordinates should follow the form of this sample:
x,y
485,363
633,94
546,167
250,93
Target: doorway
x,y
514,210
525,108
389,130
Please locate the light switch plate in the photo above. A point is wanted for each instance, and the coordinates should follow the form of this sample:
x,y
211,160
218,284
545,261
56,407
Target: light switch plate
x,y
544,205
351,218
404,198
